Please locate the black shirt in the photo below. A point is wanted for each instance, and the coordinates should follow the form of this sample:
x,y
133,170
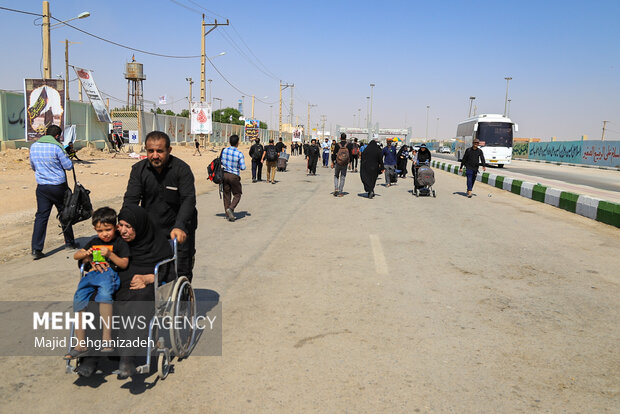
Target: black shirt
x,y
424,156
471,157
313,151
118,246
280,146
169,197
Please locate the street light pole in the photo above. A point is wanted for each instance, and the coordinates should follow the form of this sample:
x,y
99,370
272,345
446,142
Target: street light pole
x,y
427,109
508,114
508,79
359,116
437,130
471,102
309,106
191,82
372,86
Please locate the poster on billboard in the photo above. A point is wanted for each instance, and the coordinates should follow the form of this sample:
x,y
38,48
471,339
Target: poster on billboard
x,y
88,83
297,134
252,129
133,137
201,118
45,106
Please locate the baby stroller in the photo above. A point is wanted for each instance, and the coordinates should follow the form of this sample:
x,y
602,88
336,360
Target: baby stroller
x,y
282,161
423,180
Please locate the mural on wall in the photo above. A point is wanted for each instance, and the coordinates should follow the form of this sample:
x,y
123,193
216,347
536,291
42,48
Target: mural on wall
x,y
567,151
606,153
520,149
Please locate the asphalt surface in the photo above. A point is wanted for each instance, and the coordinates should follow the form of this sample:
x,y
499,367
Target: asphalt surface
x,y
396,304
591,177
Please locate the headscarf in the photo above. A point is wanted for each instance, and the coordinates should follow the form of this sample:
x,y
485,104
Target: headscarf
x,y
150,245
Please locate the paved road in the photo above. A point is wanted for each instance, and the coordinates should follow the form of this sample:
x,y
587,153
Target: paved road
x,y
601,179
396,304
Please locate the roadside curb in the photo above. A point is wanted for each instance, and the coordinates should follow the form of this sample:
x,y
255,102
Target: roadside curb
x,y
601,167
594,208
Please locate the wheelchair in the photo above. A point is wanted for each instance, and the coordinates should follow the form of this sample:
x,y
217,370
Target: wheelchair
x,y
173,300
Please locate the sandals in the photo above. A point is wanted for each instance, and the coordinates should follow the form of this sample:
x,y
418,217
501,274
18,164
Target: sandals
x,y
74,354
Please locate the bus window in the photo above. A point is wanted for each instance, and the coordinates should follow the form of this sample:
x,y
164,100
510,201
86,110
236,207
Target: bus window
x,y
495,134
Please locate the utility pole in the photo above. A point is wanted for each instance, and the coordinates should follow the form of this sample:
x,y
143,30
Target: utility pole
x,y
292,118
308,132
471,102
359,116
323,119
252,106
203,56
270,116
47,48
508,79
604,125
282,87
372,87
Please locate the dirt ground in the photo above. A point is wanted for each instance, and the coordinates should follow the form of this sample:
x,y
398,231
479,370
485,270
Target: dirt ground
x,y
104,174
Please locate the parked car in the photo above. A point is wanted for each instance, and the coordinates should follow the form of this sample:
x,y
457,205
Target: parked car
x,y
444,150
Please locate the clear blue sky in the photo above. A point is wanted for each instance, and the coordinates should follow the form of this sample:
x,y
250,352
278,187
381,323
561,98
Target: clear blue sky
x,y
563,56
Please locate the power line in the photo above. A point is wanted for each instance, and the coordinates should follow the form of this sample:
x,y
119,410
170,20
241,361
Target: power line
x,y
21,11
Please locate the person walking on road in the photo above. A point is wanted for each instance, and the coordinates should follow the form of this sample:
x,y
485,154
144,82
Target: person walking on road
x,y
270,154
164,186
342,158
422,157
325,146
370,167
256,154
197,145
313,157
49,161
402,159
472,159
389,162
354,150
233,162
280,146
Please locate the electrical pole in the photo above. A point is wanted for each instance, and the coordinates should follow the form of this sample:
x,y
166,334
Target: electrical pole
x,y
323,119
471,102
252,106
282,87
372,87
292,118
47,48
604,125
308,132
508,79
203,56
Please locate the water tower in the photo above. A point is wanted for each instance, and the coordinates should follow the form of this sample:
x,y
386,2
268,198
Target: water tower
x,y
134,76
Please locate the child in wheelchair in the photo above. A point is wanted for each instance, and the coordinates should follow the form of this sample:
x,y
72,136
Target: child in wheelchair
x,y
103,256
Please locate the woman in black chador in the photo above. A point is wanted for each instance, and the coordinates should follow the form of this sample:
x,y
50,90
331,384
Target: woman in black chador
x,y
370,167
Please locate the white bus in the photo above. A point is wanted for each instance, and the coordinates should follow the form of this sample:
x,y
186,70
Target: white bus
x,y
495,135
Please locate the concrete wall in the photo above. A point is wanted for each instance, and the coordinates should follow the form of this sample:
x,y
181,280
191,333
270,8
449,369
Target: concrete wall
x,y
12,122
599,153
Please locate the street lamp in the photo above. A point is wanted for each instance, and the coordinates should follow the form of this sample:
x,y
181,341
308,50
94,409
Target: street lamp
x,y
508,79
427,109
508,113
220,111
437,130
359,116
372,86
47,47
191,82
471,102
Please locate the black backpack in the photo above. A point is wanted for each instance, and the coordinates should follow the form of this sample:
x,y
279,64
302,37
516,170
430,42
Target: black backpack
x,y
258,152
272,153
76,205
215,171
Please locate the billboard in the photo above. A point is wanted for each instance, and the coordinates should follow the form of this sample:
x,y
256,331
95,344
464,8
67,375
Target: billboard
x,y
45,106
298,132
88,83
201,122
252,127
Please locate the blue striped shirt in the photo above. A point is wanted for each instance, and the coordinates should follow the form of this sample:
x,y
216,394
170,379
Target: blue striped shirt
x,y
49,162
233,160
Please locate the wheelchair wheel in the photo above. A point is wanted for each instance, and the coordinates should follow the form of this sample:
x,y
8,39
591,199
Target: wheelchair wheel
x,y
183,310
163,365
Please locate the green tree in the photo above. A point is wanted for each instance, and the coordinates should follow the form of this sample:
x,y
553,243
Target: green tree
x,y
227,116
184,113
263,125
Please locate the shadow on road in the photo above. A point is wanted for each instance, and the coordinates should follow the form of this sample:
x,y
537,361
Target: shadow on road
x,y
461,193
238,215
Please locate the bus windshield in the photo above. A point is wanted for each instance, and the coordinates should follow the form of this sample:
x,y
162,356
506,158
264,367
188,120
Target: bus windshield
x,y
495,134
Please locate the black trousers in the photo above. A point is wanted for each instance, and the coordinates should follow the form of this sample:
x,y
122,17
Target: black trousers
x,y
257,170
48,195
312,164
353,163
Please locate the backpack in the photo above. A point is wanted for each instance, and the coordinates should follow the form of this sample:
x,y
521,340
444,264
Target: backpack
x,y
342,156
258,152
76,205
272,153
215,171
355,150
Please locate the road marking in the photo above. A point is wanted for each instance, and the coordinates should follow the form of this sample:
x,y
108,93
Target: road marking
x,y
377,251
